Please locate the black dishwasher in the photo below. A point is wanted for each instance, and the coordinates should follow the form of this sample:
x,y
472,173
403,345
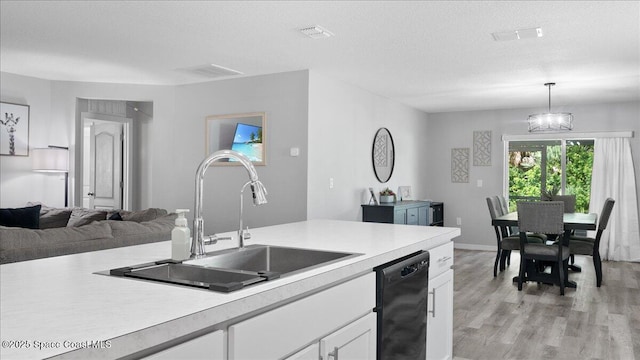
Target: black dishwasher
x,y
401,304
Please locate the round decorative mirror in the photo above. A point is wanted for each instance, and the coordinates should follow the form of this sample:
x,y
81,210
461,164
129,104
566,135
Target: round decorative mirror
x,y
383,155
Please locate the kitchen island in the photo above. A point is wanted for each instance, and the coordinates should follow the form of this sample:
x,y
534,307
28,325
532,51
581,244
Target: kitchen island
x,y
60,307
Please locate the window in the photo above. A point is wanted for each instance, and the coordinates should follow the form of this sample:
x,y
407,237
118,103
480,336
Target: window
x,y
550,167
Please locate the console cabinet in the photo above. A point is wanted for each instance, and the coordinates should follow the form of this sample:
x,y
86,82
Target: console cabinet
x,y
437,214
400,212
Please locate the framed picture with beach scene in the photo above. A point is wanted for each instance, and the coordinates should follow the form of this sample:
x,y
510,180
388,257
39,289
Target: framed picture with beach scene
x,y
244,133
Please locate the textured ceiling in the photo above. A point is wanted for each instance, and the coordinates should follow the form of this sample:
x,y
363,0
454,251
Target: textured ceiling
x,y
432,55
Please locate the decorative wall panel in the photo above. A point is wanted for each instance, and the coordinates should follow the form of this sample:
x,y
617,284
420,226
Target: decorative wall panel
x,y
482,148
460,165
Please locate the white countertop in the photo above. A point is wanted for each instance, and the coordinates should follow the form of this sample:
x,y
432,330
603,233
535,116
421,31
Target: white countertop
x,y
61,302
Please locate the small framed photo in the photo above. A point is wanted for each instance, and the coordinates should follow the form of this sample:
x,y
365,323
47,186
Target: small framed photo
x,y
14,129
404,192
373,197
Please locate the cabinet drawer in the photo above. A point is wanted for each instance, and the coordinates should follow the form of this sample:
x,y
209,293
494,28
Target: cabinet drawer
x,y
281,331
440,259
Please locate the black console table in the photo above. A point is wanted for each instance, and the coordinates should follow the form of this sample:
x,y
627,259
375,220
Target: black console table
x,y
437,214
399,212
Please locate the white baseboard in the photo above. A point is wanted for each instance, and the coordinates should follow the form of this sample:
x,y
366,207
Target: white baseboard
x,y
474,247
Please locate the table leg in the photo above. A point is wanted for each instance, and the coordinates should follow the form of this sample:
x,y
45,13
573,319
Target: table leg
x,y
565,240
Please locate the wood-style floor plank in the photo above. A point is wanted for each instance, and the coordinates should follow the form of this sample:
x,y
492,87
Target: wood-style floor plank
x,y
493,320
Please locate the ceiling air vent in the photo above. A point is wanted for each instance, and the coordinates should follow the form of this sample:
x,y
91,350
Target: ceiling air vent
x,y
316,32
212,71
517,34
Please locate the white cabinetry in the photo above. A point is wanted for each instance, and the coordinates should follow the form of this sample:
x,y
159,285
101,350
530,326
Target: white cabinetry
x,y
287,329
355,341
440,308
311,352
209,346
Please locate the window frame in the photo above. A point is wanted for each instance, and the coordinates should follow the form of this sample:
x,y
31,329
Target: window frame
x,y
552,136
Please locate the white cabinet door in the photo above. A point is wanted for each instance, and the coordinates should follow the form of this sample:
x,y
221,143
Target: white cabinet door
x,y
311,352
440,317
283,330
354,341
209,346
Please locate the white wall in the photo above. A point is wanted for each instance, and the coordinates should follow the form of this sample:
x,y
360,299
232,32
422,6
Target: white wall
x,y
343,120
455,129
283,97
172,143
18,183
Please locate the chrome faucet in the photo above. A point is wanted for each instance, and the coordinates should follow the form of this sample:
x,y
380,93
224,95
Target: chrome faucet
x,y
258,190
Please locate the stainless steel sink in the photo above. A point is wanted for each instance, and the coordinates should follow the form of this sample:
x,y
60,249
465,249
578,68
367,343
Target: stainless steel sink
x,y
196,276
274,259
233,269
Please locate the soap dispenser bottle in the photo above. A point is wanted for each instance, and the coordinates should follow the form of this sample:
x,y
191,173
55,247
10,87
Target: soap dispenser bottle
x,y
181,237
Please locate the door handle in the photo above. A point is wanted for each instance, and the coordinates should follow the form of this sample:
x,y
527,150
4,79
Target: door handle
x,y
433,302
91,194
334,353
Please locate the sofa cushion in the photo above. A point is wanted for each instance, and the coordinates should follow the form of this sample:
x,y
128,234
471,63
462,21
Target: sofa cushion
x,y
54,218
26,244
131,232
51,217
143,215
26,217
82,216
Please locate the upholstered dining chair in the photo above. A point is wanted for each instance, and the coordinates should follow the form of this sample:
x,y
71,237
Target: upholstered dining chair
x,y
504,242
513,231
580,245
542,217
569,202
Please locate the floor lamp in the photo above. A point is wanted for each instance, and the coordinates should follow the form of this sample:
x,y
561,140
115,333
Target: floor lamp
x,y
54,159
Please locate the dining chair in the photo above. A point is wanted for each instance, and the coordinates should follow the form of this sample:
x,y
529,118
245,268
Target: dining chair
x,y
582,245
512,230
504,242
569,202
569,207
542,217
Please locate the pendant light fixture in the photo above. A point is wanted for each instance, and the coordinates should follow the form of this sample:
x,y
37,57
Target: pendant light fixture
x,y
550,121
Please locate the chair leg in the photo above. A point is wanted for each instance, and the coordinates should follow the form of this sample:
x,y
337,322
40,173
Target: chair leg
x,y
573,259
503,256
495,265
562,267
597,264
509,257
521,275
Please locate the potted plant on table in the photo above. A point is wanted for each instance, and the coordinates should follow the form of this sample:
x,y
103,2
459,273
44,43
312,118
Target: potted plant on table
x,y
387,196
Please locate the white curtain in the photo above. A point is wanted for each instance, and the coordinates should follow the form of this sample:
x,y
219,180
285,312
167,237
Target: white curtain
x,y
613,176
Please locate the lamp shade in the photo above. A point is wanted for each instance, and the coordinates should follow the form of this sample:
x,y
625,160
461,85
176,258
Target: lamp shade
x,y
50,160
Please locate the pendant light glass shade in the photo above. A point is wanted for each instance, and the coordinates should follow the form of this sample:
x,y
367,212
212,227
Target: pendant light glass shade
x,y
550,121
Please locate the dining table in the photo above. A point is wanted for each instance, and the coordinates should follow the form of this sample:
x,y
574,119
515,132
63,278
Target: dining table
x,y
572,221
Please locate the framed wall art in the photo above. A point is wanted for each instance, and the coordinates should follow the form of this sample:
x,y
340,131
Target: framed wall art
x,y
14,129
244,133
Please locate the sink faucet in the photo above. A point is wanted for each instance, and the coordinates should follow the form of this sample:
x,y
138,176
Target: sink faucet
x,y
258,190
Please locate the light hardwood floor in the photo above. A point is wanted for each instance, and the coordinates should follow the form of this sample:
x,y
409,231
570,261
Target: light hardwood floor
x,y
493,320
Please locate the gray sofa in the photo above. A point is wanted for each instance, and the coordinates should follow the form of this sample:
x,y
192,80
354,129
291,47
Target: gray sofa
x,y
70,231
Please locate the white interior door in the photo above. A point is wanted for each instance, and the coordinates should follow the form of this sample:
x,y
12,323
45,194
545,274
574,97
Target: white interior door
x,y
105,177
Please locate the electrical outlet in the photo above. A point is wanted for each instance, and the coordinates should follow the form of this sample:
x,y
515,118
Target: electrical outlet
x,y
458,221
